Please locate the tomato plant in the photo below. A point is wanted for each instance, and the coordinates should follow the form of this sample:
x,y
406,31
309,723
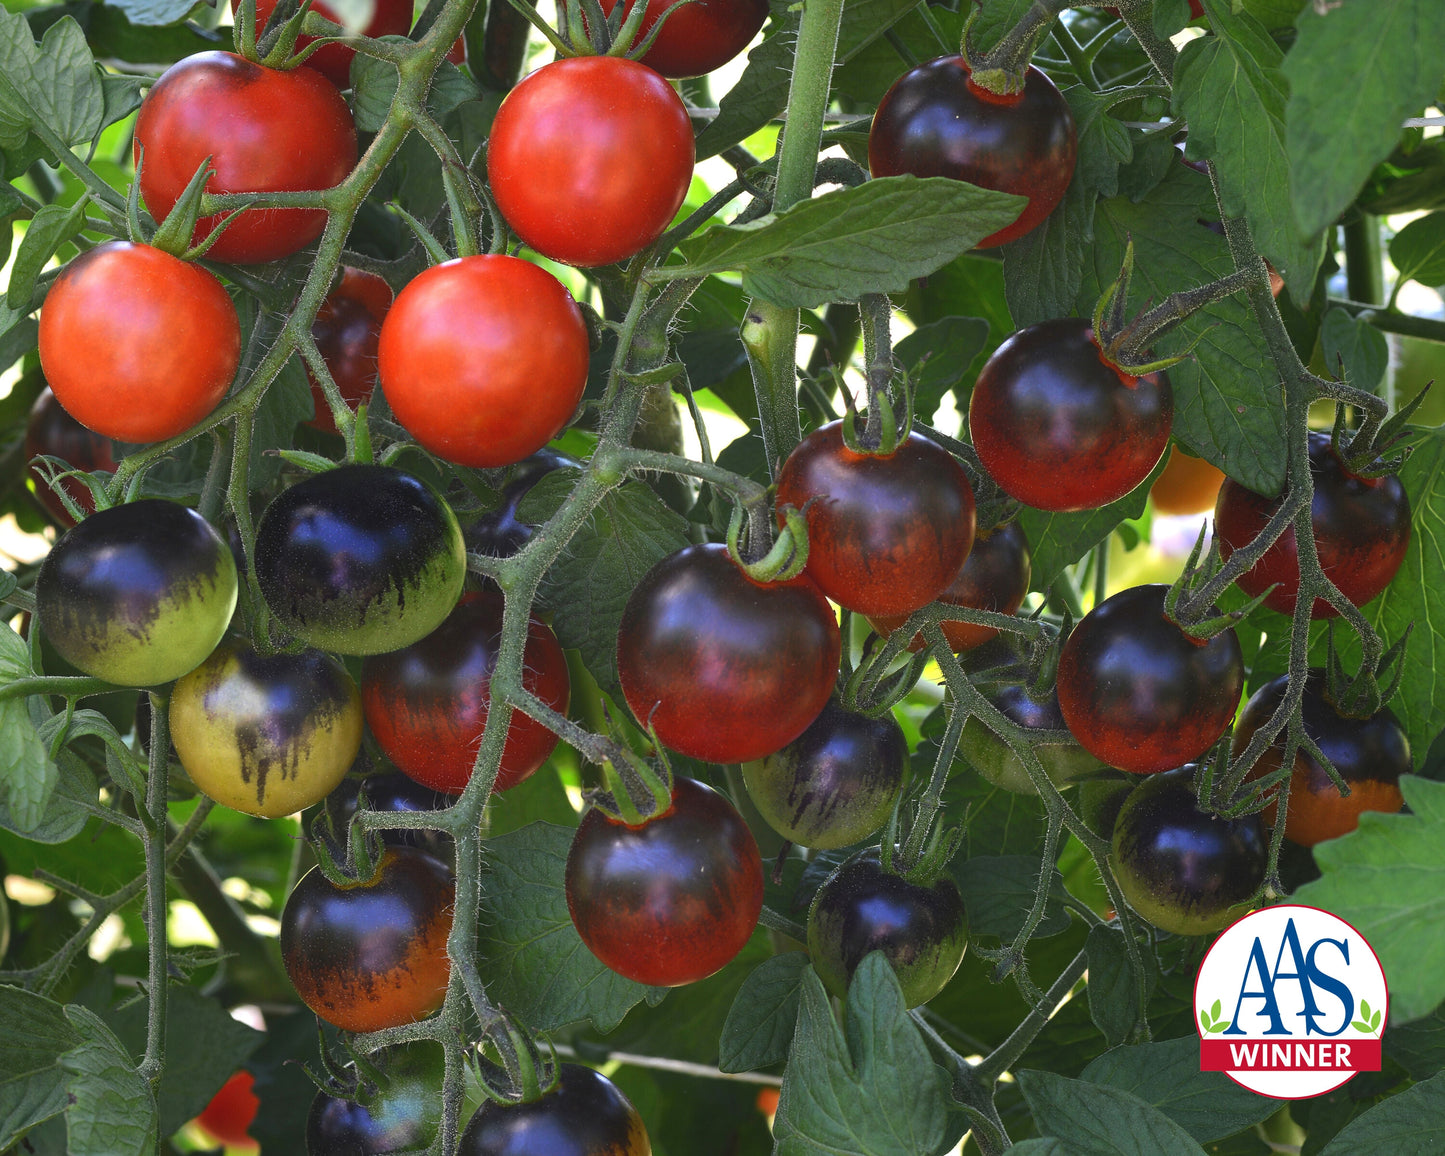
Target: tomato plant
x,y
584,1114
346,330
333,61
53,432
670,901
698,38
392,791
1063,761
398,1113
500,532
229,1114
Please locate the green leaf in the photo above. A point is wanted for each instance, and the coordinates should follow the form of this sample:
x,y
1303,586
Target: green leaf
x,y
1388,879
54,83
532,960
1418,250
112,1111
867,1087
874,238
1207,1105
998,893
154,12
1365,1009
1357,345
374,84
1418,1046
1360,1027
1231,90
760,1024
939,355
121,94
1112,990
286,404
1098,1120
27,775
1356,70
1407,1124
539,796
50,228
65,812
32,1085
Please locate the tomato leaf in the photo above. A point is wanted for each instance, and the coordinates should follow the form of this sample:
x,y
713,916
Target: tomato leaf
x,y
50,228
1418,1046
1102,1121
998,893
1404,1125
54,84
27,774
374,84
32,1085
1112,991
939,354
112,1111
1353,348
154,12
1418,250
760,1024
867,1087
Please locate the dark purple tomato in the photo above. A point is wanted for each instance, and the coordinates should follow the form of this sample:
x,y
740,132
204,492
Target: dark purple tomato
x,y
584,1115
1369,753
399,1114
1099,803
1138,692
673,900
393,791
54,433
991,757
724,668
861,908
346,330
500,533
935,122
1361,528
1059,427
1184,870
886,533
836,783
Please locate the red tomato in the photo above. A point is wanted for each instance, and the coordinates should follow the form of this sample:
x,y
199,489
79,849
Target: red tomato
x,y
138,345
264,130
346,330
698,37
333,61
457,53
227,1118
54,433
484,359
590,158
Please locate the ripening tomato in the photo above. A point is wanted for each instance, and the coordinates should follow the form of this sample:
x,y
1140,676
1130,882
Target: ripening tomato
x,y
333,61
229,1114
698,37
583,1115
53,433
346,330
1186,485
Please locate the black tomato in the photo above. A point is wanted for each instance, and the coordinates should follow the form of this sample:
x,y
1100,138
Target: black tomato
x,y
54,433
372,955
392,791
670,901
886,533
861,908
499,532
346,331
1183,869
724,668
1138,692
1361,528
935,122
836,783
427,703
1369,753
583,1115
401,1114
991,757
1059,427
360,559
137,594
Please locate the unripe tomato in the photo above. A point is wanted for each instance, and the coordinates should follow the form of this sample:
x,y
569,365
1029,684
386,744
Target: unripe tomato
x,y
346,330
996,762
54,433
333,61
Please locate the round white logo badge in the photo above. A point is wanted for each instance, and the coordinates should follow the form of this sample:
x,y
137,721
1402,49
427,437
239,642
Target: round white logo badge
x,y
1290,1002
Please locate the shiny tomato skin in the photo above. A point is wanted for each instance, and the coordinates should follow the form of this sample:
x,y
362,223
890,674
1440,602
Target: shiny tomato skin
x,y
699,37
673,900
886,533
484,359
147,371
346,331
584,1115
228,1116
267,735
1182,869
1186,485
264,130
138,594
1140,694
589,159
333,61
427,703
724,668
995,576
1361,527
935,122
1060,428
1370,754
401,1113
372,955
54,433
500,533
393,791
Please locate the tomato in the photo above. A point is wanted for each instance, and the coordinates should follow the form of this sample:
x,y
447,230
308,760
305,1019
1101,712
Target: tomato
x,y
333,61
1370,754
1138,692
698,37
1059,427
589,159
886,533
991,757
360,559
672,900
346,330
147,371
227,1118
836,783
584,1115
1187,485
484,359
1361,528
457,53
995,576
400,1114
263,130
267,734
427,703
54,433
1184,870
1099,803
137,594
935,122
862,908
724,668
393,791
372,955
500,533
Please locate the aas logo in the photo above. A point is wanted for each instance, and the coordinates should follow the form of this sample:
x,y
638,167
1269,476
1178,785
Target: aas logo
x,y
1290,1002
